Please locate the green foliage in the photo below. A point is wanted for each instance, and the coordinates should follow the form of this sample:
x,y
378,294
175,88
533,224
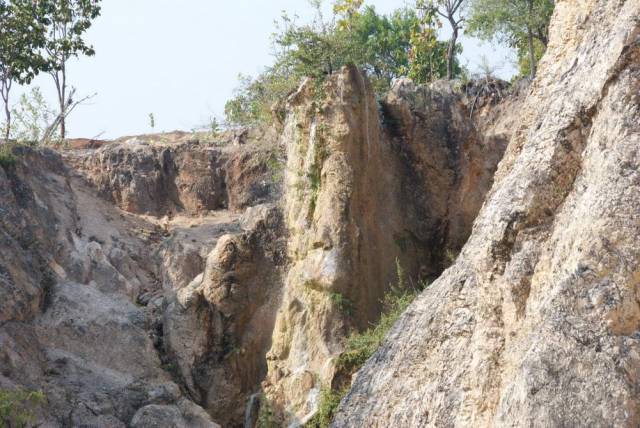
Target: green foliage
x,y
22,39
152,121
22,35
361,346
329,401
31,118
254,99
67,23
41,36
514,23
276,167
402,43
214,126
450,257
428,56
450,11
313,50
524,57
384,46
17,407
7,158
343,304
266,414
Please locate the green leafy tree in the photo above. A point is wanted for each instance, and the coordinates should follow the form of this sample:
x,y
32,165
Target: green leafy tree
x,y
22,36
69,20
451,10
347,10
32,116
255,98
521,24
384,46
390,46
428,57
314,49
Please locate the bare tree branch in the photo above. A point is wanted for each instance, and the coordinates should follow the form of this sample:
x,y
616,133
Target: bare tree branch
x,y
70,105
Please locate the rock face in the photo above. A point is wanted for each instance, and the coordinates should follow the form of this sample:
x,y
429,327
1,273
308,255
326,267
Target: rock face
x,y
365,188
217,330
159,280
537,323
71,266
167,178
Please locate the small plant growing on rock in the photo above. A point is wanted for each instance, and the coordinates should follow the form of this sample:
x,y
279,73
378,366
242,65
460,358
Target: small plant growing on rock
x,y
344,305
276,168
450,257
7,158
327,406
266,414
361,346
17,407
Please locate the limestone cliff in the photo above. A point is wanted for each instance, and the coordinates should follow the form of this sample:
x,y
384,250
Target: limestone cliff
x,y
159,178
366,186
161,280
537,322
71,268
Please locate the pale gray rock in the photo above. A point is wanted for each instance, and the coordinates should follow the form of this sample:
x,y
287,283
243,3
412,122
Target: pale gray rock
x,y
537,324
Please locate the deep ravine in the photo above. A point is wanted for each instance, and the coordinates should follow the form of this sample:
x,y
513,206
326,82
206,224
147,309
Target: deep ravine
x,y
189,282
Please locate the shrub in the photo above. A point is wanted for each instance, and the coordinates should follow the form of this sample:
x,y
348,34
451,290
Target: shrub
x,y
32,117
327,406
7,158
361,346
344,305
17,407
383,46
266,414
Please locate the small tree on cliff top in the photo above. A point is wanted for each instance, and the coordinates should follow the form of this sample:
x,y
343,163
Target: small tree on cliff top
x,y
69,20
451,10
22,35
521,24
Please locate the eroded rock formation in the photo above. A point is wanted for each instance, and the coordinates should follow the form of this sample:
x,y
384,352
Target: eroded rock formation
x,y
537,323
366,186
218,328
166,178
72,266
153,281
165,279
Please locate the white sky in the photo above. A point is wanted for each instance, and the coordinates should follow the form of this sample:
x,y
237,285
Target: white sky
x,y
180,61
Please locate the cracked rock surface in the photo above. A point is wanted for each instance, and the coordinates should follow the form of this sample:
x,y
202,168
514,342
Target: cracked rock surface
x,y
537,324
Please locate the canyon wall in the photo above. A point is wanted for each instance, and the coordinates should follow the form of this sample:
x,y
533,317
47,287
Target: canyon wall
x,y
148,279
367,186
160,178
537,322
71,269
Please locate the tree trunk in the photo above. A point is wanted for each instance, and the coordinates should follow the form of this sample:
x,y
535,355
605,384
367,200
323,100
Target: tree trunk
x,y
63,127
6,88
60,79
7,113
532,54
451,51
63,104
532,49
